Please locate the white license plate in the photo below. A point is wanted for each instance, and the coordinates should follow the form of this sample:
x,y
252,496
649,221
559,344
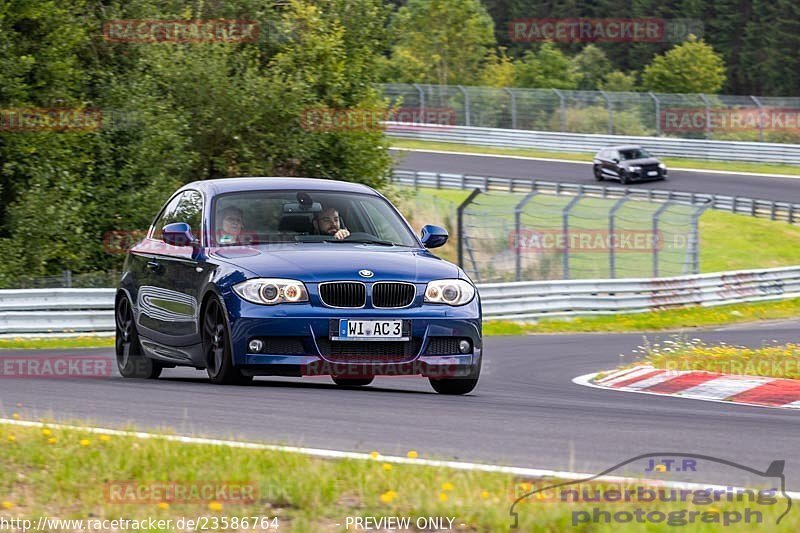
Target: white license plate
x,y
653,173
370,330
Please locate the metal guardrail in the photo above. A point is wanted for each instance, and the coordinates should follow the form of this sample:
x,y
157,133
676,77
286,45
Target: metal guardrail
x,y
602,297
773,210
91,310
56,310
591,143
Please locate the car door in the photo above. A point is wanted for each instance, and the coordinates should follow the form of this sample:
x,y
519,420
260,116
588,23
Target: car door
x,y
611,165
168,295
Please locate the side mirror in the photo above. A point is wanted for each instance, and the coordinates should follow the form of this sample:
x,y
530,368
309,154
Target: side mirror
x,y
179,234
433,236
616,160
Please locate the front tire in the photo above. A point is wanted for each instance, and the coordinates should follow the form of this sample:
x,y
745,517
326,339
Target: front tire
x,y
623,177
217,347
457,386
598,173
131,361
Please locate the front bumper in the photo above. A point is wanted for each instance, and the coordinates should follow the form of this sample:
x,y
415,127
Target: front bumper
x,y
307,327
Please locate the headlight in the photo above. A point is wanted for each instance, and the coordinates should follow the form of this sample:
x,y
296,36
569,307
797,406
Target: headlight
x,y
662,166
634,169
271,291
449,291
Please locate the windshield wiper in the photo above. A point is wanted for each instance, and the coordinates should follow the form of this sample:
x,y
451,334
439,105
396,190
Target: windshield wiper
x,y
364,241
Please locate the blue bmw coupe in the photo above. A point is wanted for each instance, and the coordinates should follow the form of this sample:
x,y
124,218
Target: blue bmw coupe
x,y
295,277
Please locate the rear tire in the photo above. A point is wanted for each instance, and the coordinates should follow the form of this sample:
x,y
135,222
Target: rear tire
x,y
352,382
217,347
131,361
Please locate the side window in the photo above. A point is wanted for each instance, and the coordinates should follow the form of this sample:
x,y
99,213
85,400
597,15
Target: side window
x,y
386,231
186,207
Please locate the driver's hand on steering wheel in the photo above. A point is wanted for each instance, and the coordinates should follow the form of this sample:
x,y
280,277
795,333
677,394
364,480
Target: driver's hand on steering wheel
x,y
341,234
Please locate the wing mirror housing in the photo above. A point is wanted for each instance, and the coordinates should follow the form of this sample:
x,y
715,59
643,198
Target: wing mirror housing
x,y
433,236
179,234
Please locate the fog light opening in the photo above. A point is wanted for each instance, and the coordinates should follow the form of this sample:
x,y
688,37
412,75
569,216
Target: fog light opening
x,y
255,345
464,346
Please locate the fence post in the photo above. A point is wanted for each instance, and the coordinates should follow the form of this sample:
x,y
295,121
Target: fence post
x,y
612,257
466,104
565,233
67,274
760,125
421,100
563,109
695,239
610,112
460,228
513,107
656,240
658,113
517,229
708,115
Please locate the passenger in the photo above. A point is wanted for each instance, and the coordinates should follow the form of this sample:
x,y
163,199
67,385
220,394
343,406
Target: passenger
x,y
231,226
327,222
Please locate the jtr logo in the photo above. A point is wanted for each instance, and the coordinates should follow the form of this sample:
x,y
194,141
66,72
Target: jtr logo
x,y
671,465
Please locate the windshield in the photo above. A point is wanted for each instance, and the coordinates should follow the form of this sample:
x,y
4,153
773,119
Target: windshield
x,y
272,217
634,153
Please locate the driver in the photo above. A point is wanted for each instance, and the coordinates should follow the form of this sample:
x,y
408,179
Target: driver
x,y
327,222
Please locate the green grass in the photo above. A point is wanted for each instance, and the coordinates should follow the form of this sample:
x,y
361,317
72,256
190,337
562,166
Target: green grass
x,y
687,318
769,360
54,343
672,162
64,473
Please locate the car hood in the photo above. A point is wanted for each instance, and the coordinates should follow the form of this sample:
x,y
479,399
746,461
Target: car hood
x,y
324,262
640,162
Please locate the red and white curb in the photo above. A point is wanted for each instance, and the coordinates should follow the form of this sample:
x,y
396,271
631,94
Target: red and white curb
x,y
701,385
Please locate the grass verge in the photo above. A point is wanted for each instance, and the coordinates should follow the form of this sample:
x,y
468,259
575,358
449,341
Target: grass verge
x,y
676,162
769,360
56,343
727,241
74,474
670,319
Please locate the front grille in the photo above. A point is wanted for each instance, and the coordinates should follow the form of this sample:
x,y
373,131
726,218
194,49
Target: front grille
x,y
648,168
442,346
368,351
343,294
283,345
393,294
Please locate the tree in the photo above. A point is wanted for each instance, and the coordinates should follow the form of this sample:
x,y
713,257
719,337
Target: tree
x,y
591,65
548,69
441,41
691,67
618,81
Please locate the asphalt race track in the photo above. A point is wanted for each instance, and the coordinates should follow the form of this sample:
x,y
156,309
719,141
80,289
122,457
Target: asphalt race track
x,y
525,412
783,189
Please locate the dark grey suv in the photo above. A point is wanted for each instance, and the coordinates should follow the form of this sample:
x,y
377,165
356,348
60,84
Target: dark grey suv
x,y
628,163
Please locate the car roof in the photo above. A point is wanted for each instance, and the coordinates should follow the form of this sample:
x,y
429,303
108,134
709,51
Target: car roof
x,y
225,185
624,147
